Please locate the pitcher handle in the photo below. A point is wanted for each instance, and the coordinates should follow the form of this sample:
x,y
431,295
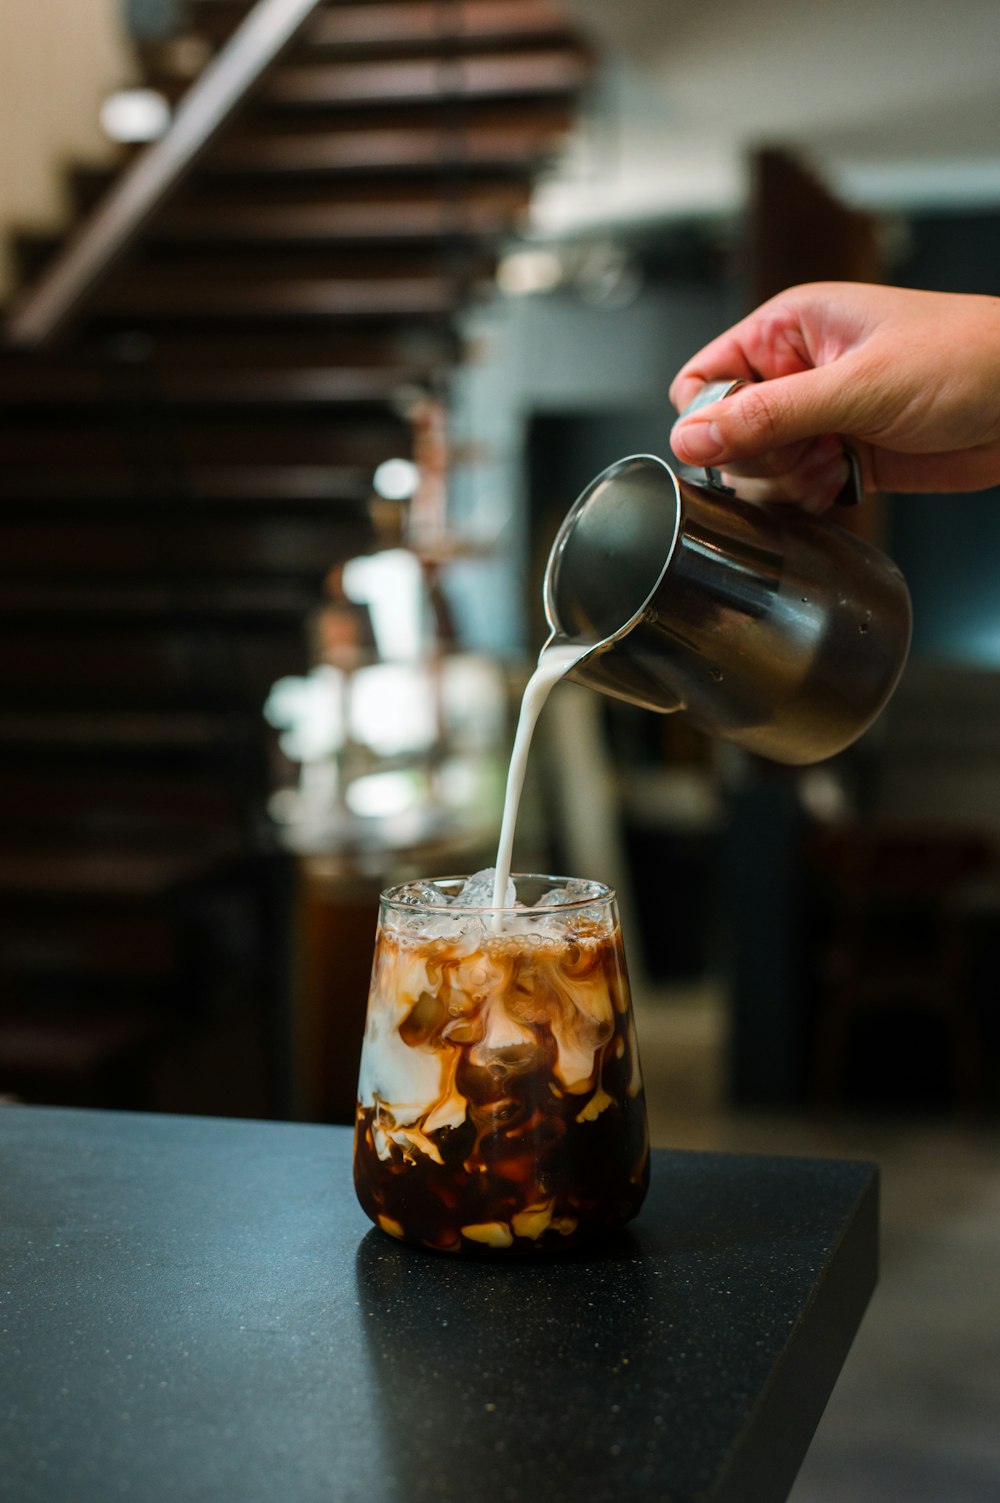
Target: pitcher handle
x,y
714,391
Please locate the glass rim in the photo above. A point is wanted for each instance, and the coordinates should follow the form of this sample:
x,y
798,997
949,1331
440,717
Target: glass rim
x,y
603,894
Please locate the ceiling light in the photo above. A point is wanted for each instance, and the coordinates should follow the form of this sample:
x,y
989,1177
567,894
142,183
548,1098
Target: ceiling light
x,y
396,479
135,115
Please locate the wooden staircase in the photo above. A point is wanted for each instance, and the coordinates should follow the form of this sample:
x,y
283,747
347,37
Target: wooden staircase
x,y
196,385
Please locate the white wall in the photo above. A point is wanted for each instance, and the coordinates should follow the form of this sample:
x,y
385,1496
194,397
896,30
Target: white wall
x,y
58,59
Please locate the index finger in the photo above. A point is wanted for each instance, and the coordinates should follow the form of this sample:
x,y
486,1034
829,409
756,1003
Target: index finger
x,y
723,359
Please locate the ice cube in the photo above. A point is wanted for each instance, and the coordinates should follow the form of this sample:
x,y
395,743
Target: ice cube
x,y
441,928
575,890
428,927
477,891
563,913
427,894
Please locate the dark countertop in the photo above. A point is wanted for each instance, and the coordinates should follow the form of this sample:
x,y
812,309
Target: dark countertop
x,y
197,1309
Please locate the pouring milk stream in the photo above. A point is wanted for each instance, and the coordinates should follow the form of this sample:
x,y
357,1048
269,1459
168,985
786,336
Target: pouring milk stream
x,y
554,661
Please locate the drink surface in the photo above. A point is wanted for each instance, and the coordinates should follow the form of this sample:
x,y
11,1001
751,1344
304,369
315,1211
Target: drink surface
x,y
500,1100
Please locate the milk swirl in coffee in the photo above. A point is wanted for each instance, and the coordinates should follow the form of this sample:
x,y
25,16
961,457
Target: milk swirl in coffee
x,y
500,1098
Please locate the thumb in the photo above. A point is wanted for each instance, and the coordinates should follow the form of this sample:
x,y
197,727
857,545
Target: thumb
x,y
767,415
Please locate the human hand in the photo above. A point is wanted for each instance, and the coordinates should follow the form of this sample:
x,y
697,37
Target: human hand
x,y
910,379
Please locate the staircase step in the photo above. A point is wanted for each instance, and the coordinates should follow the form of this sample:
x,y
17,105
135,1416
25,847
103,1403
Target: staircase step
x,y
516,147
86,185
460,22
142,439
176,547
30,252
44,735
231,485
131,877
223,298
398,270
392,27
158,668
265,602
28,384
421,353
116,806
429,350
485,215
433,80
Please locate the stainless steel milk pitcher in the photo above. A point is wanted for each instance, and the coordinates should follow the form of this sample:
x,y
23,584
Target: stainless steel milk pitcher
x,y
762,624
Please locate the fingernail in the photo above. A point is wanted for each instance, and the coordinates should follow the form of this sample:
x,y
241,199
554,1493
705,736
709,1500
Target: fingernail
x,y
698,443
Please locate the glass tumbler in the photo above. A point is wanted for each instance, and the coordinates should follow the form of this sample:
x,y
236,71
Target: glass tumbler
x,y
500,1101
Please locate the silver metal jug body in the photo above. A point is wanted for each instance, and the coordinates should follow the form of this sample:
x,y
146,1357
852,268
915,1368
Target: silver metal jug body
x,y
762,624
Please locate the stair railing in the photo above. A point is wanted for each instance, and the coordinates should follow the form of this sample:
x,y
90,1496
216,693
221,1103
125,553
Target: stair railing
x,y
45,309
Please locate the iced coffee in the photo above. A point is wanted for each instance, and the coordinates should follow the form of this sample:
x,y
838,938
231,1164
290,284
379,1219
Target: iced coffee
x,y
500,1100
